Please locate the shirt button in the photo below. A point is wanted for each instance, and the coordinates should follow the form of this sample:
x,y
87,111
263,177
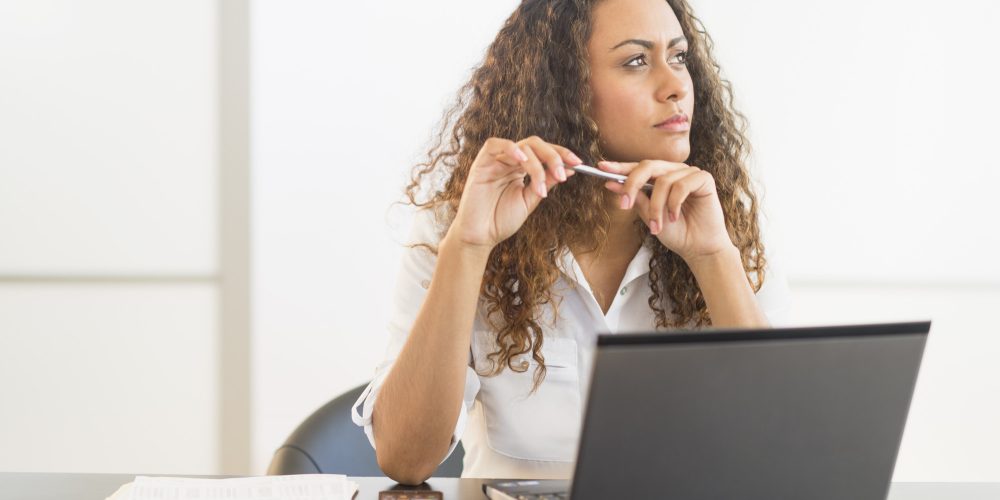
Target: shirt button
x,y
624,289
426,284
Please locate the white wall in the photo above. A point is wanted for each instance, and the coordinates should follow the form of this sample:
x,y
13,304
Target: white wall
x,y
108,377
871,123
108,126
108,296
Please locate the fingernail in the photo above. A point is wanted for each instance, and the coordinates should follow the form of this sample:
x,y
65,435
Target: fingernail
x,y
625,202
521,156
561,172
545,192
673,218
654,226
575,157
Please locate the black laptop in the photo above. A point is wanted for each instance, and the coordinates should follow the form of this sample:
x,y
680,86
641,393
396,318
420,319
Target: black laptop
x,y
815,412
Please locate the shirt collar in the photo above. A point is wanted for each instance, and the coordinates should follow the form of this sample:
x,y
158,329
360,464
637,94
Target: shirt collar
x,y
638,267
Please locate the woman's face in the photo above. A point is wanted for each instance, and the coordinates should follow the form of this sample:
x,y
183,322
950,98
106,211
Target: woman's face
x,y
638,80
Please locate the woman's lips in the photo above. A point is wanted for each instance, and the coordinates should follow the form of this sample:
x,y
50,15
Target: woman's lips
x,y
678,123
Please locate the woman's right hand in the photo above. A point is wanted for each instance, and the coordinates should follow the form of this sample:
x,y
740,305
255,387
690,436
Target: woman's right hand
x,y
495,201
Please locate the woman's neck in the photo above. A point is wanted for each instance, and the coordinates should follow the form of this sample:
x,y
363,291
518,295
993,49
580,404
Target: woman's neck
x,y
623,239
623,242
604,268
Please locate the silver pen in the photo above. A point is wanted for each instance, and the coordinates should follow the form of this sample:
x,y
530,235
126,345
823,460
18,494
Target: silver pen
x,y
620,179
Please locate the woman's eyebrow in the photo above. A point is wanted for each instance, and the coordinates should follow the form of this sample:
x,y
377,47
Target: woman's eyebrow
x,y
648,44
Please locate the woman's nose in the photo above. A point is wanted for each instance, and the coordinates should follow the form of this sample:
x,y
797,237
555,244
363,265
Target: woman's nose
x,y
672,84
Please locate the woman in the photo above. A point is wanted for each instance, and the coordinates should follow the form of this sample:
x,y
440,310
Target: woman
x,y
517,263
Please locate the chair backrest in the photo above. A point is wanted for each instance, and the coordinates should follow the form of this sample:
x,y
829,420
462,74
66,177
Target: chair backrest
x,y
329,442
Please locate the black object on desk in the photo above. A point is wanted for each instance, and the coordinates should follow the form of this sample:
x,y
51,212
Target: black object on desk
x,y
814,412
329,442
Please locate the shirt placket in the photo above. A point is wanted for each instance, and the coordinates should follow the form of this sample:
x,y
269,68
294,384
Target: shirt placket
x,y
610,322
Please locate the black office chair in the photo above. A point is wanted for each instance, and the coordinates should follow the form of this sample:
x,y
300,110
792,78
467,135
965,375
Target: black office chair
x,y
329,442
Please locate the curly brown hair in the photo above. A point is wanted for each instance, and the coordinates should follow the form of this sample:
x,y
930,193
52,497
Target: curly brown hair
x,y
534,81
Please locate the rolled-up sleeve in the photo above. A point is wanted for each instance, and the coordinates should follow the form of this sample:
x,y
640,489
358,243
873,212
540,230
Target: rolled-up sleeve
x,y
416,270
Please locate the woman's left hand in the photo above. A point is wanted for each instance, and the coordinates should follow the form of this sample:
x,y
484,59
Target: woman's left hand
x,y
683,210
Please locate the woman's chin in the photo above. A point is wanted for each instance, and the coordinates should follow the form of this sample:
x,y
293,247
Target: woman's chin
x,y
676,151
676,154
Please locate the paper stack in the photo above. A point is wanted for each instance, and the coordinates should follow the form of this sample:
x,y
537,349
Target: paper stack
x,y
293,487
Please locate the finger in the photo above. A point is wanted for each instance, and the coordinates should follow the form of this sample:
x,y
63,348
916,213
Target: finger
x,y
642,202
504,168
617,188
495,146
658,199
695,180
616,167
507,160
549,156
536,171
568,157
657,169
554,156
638,177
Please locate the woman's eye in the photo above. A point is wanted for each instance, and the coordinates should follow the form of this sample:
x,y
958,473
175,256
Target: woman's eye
x,y
682,56
636,58
679,58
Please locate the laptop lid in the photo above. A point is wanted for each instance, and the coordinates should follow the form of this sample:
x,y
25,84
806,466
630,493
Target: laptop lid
x,y
814,412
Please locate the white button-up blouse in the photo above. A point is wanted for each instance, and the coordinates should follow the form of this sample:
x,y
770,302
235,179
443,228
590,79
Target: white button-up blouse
x,y
505,432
